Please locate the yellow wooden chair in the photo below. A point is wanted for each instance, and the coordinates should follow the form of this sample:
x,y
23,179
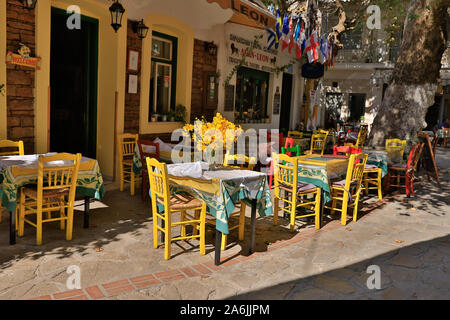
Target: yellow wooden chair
x,y
347,191
55,191
372,179
318,141
242,161
10,145
245,163
396,145
295,192
169,205
127,144
13,148
295,134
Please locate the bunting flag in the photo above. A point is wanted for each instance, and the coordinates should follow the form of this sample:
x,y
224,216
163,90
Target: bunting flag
x,y
312,47
285,33
271,39
299,38
291,35
323,49
278,26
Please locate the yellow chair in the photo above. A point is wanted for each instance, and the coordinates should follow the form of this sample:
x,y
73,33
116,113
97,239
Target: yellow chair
x,y
55,191
242,161
169,205
127,144
318,141
396,145
10,146
295,192
246,163
347,191
295,134
372,176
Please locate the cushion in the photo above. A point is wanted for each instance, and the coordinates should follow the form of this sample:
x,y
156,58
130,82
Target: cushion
x,y
182,202
370,167
163,147
398,166
341,183
302,187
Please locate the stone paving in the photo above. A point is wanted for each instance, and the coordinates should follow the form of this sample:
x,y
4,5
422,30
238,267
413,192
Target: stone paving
x,y
407,238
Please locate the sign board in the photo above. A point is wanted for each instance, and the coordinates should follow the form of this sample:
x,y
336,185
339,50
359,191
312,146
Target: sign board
x,y
260,59
428,160
22,58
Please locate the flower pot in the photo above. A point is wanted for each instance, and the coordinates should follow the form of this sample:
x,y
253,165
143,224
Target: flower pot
x,y
172,119
164,118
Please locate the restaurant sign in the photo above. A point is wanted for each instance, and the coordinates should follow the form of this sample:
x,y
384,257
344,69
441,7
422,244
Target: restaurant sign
x,y
22,58
259,59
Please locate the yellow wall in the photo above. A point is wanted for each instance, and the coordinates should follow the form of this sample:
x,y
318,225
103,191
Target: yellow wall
x,y
3,117
185,35
111,76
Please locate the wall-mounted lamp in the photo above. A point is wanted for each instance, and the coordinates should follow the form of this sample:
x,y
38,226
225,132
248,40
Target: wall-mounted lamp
x,y
211,48
117,12
29,4
140,28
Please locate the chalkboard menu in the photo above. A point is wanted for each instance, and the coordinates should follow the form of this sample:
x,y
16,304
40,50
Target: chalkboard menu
x,y
229,98
428,159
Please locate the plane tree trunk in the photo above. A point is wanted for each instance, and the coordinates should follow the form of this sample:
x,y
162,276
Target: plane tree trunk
x,y
414,83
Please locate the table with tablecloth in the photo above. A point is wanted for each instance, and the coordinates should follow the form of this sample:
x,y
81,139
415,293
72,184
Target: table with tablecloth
x,y
221,189
383,158
18,171
322,172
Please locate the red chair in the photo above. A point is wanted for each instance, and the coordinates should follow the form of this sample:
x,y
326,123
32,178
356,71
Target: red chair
x,y
270,165
347,150
147,149
289,143
400,171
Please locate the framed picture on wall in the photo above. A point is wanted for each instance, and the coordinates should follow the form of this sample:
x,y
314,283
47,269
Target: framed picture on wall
x,y
133,60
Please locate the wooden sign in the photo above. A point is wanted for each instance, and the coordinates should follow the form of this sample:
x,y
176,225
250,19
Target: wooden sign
x,y
22,58
428,160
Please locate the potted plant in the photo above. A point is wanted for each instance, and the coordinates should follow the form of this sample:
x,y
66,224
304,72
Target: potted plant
x,y
164,117
155,117
171,116
180,113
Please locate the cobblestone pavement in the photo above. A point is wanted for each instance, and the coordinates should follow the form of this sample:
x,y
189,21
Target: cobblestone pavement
x,y
407,238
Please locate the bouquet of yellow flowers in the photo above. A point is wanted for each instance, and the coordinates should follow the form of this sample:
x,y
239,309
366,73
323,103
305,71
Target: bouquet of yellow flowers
x,y
219,133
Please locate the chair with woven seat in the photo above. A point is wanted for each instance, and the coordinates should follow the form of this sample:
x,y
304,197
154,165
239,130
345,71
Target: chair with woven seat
x,y
317,144
296,193
241,161
372,180
396,145
345,193
165,205
295,151
147,149
127,144
55,191
10,148
405,172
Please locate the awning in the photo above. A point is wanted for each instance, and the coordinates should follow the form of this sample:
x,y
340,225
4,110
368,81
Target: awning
x,y
248,14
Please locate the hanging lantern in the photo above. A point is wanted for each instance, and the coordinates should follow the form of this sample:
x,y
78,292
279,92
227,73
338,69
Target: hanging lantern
x,y
29,4
117,12
141,29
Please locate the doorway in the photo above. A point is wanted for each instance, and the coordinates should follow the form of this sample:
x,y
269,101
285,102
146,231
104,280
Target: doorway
x,y
286,95
357,105
73,82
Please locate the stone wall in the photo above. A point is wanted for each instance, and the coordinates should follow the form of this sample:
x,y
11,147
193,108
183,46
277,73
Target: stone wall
x,y
20,26
132,101
203,62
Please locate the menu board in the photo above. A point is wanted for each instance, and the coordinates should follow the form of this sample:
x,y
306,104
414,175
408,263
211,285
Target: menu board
x,y
229,98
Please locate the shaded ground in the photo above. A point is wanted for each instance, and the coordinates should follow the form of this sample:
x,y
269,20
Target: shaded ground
x,y
409,240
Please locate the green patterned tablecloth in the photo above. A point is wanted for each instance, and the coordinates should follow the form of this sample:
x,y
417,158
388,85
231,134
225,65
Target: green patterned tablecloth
x,y
222,189
18,171
383,158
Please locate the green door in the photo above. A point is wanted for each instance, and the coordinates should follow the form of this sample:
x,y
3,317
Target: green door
x,y
73,82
